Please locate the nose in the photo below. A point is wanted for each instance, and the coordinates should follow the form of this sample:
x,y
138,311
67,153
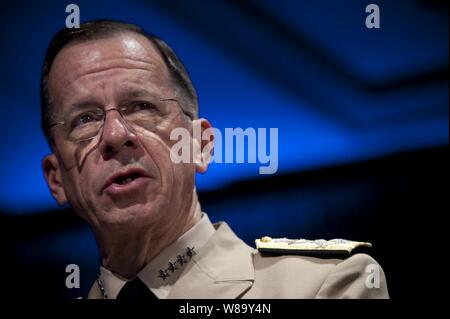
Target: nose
x,y
115,135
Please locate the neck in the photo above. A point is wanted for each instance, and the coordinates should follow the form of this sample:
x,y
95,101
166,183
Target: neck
x,y
125,253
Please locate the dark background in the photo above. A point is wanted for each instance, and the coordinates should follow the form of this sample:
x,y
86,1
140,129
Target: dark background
x,y
362,117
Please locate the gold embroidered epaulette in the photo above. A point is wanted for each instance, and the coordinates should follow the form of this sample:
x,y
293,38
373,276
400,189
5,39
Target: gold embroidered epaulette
x,y
317,248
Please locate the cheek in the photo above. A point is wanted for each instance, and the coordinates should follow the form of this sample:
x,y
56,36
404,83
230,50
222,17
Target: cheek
x,y
75,193
82,152
75,155
157,149
173,176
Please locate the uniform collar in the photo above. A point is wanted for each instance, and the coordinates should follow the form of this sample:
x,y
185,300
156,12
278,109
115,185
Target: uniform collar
x,y
222,269
195,238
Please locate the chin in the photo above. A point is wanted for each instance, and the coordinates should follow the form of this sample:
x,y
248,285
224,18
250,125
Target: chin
x,y
138,216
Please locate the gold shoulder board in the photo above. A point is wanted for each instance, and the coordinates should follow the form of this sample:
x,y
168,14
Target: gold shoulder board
x,y
334,248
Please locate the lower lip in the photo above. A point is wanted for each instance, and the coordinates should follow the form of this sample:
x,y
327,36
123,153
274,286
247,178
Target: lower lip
x,y
122,189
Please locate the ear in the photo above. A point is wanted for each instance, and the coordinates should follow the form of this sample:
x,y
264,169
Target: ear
x,y
203,139
52,173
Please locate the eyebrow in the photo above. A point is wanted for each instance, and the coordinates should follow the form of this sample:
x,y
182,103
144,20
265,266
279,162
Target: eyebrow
x,y
89,103
82,105
133,93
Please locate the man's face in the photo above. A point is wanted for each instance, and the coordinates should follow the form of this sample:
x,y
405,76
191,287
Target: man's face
x,y
124,175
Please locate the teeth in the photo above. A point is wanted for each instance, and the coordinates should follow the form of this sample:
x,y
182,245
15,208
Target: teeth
x,y
127,180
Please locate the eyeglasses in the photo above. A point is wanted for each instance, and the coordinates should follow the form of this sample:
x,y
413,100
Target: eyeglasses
x,y
85,124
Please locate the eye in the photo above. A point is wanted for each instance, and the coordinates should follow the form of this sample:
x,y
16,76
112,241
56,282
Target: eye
x,y
85,118
142,106
138,107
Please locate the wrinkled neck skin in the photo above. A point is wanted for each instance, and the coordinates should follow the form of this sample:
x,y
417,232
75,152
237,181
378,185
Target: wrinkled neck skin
x,y
125,253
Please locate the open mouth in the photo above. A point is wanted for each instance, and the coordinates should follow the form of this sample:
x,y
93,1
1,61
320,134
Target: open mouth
x,y
126,179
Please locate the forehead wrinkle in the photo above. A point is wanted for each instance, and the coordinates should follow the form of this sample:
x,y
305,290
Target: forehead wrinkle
x,y
142,80
149,67
117,63
122,87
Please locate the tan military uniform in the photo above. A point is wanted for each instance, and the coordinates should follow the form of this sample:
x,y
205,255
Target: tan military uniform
x,y
225,267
